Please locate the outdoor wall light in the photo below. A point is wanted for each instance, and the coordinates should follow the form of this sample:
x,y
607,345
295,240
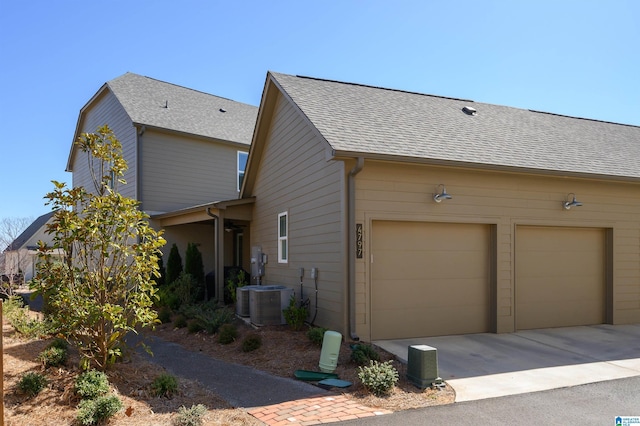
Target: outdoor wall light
x,y
442,195
573,203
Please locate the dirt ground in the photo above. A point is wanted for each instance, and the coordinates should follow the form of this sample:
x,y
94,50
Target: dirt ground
x,y
283,351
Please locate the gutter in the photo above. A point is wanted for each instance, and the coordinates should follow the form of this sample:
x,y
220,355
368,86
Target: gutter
x,y
351,223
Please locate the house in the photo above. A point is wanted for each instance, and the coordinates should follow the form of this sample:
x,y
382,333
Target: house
x,y
184,148
21,256
426,215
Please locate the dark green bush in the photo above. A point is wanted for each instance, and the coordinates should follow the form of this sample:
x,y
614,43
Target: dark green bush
x,y
59,343
209,315
180,321
195,326
94,411
294,314
251,342
174,265
91,384
227,334
194,266
361,354
52,357
168,297
165,385
190,416
164,314
316,335
378,378
32,383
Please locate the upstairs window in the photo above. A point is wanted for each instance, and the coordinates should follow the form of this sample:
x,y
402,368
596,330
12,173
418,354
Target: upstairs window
x,y
242,164
283,237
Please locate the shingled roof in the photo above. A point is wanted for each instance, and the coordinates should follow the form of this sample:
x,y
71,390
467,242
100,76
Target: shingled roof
x,y
159,104
31,230
383,123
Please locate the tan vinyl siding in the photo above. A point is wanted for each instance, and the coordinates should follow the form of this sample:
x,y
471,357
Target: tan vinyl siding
x,y
295,177
178,171
403,192
107,110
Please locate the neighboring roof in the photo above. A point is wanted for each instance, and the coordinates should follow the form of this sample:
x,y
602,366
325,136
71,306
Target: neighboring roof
x,y
155,103
31,230
359,120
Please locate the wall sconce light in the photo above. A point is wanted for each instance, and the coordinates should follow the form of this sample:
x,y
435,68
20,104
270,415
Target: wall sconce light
x,y
573,203
442,195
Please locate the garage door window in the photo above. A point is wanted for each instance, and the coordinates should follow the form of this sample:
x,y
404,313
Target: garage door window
x,y
283,237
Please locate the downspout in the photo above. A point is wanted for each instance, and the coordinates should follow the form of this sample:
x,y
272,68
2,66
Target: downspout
x,y
139,135
216,219
351,221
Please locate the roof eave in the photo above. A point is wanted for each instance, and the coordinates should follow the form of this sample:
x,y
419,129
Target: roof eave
x,y
340,155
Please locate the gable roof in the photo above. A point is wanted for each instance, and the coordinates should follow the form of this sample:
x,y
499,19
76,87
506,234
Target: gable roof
x,y
31,230
154,103
373,122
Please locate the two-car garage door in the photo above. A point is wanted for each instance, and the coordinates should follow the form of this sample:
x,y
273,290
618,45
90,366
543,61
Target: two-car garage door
x,y
431,279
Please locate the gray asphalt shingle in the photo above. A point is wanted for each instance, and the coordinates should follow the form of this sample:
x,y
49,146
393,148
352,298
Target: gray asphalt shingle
x,y
376,121
156,103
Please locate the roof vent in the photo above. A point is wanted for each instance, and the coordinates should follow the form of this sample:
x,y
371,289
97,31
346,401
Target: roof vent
x,y
469,111
222,110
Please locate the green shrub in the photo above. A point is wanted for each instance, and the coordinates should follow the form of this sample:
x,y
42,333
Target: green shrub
x,y
235,280
361,354
194,266
94,411
295,315
195,326
59,343
32,383
91,384
251,342
174,265
167,297
228,334
190,416
165,385
180,321
17,314
164,314
316,335
52,357
378,378
209,315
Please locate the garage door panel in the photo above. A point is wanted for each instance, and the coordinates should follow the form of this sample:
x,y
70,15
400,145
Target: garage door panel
x,y
429,279
560,277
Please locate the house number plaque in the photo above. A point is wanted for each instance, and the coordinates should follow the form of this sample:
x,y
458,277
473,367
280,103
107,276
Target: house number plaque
x,y
359,243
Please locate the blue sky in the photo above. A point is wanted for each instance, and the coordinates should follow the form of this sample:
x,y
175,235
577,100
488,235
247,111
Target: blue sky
x,y
572,57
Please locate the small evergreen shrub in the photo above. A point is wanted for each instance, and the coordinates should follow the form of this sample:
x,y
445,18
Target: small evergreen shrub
x,y
17,314
180,321
174,265
295,315
361,354
32,383
53,357
194,266
251,342
195,326
165,385
228,334
378,378
59,343
316,335
91,384
167,297
193,416
164,314
94,411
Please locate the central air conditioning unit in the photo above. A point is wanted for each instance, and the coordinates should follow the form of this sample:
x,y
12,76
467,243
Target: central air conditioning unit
x,y
267,302
242,300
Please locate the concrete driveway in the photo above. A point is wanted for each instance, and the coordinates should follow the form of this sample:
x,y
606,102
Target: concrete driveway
x,y
482,366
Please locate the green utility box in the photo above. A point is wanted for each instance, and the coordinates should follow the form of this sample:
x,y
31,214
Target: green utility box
x,y
422,366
